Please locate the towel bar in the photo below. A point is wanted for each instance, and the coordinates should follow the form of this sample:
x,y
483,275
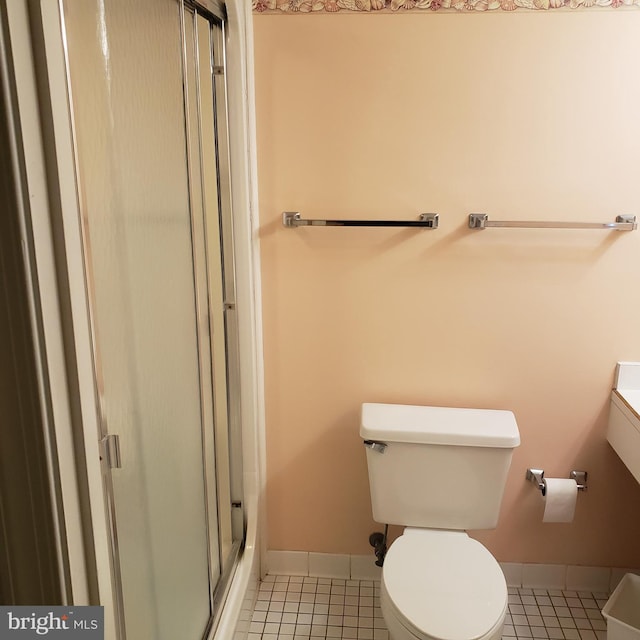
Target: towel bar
x,y
425,221
622,223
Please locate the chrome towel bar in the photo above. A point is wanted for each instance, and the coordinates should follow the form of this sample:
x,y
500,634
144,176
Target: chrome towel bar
x,y
622,223
425,221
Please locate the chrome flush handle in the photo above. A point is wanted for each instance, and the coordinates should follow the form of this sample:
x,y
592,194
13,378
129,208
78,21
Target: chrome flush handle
x,y
376,446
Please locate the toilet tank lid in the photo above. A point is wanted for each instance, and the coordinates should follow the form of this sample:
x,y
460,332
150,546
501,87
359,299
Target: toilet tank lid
x,y
439,425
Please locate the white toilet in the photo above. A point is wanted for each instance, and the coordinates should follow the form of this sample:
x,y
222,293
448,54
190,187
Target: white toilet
x,y
438,472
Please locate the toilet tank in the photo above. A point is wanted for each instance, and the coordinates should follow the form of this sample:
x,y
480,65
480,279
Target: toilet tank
x,y
437,467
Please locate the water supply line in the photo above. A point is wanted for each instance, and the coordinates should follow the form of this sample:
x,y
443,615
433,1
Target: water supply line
x,y
378,541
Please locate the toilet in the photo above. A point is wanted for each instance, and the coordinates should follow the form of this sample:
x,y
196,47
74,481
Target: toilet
x,y
438,472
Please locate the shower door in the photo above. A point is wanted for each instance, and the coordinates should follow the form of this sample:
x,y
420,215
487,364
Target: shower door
x,y
153,188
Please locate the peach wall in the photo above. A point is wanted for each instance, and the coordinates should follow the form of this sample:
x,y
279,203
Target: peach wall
x,y
522,116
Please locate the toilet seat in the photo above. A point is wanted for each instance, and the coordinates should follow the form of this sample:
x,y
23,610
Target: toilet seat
x,y
443,585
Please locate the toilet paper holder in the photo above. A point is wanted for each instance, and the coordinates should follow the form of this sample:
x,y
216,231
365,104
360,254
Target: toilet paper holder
x,y
537,477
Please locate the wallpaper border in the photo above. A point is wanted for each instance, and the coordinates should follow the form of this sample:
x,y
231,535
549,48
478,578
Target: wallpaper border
x,y
401,6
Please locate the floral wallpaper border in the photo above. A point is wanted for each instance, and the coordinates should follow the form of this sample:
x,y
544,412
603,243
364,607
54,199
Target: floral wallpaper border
x,y
372,6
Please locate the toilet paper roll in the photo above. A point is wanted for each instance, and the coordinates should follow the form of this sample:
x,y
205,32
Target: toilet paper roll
x,y
560,500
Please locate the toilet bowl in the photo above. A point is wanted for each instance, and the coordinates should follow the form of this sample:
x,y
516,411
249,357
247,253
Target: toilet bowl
x,y
442,585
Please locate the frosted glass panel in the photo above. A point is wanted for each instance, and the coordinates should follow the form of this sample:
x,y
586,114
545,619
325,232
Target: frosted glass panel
x,y
127,84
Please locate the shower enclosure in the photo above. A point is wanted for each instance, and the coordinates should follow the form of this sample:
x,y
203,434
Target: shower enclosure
x,y
146,82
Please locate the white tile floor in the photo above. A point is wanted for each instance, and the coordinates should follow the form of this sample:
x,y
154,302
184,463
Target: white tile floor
x,y
295,608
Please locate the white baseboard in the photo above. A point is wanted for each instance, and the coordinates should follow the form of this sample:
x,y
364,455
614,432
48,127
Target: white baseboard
x,y
526,575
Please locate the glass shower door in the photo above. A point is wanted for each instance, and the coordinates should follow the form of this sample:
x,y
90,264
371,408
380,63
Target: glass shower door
x,y
212,219
150,317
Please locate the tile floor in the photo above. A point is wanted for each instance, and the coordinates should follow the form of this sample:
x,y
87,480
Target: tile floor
x,y
295,608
